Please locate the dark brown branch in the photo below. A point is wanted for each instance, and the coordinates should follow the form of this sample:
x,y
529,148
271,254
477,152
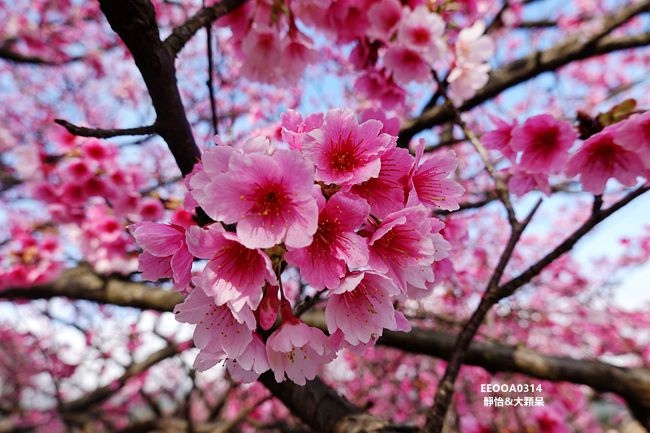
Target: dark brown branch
x,y
597,216
183,33
135,22
631,384
436,415
16,57
530,66
82,131
101,394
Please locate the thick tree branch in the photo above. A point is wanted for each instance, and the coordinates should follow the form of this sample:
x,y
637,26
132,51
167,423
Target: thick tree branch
x,y
135,22
183,33
82,131
631,384
103,393
530,66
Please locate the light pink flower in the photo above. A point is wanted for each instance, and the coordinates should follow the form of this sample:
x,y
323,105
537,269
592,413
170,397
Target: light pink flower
x,y
380,87
165,252
430,179
522,182
473,46
601,158
251,363
500,137
361,307
421,31
344,152
401,242
298,351
336,246
407,65
634,135
237,273
545,143
269,197
294,127
387,192
297,52
384,16
217,329
260,44
465,79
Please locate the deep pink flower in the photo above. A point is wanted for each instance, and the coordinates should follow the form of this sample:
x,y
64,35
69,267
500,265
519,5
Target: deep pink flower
x,y
430,179
386,193
421,31
297,53
384,16
601,158
165,252
345,152
500,137
361,307
251,363
381,87
234,274
407,65
298,351
268,196
545,143
522,182
336,246
634,135
217,329
294,127
401,243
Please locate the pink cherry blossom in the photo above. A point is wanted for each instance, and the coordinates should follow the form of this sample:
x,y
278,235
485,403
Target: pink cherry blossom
x,y
251,363
294,127
384,17
421,31
298,351
345,152
269,197
217,329
634,135
430,179
336,246
545,143
386,193
361,307
465,79
522,182
601,158
473,46
165,252
260,44
236,273
407,64
402,242
378,85
500,138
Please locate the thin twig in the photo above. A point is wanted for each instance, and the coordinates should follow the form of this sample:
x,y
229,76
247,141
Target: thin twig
x,y
83,131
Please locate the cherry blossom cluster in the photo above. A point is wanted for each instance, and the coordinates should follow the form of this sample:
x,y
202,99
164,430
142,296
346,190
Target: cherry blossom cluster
x,y
336,201
397,43
544,145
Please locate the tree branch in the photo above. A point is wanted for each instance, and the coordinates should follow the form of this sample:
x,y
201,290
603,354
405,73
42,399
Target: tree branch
x,y
183,33
82,131
135,22
103,393
532,65
631,384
